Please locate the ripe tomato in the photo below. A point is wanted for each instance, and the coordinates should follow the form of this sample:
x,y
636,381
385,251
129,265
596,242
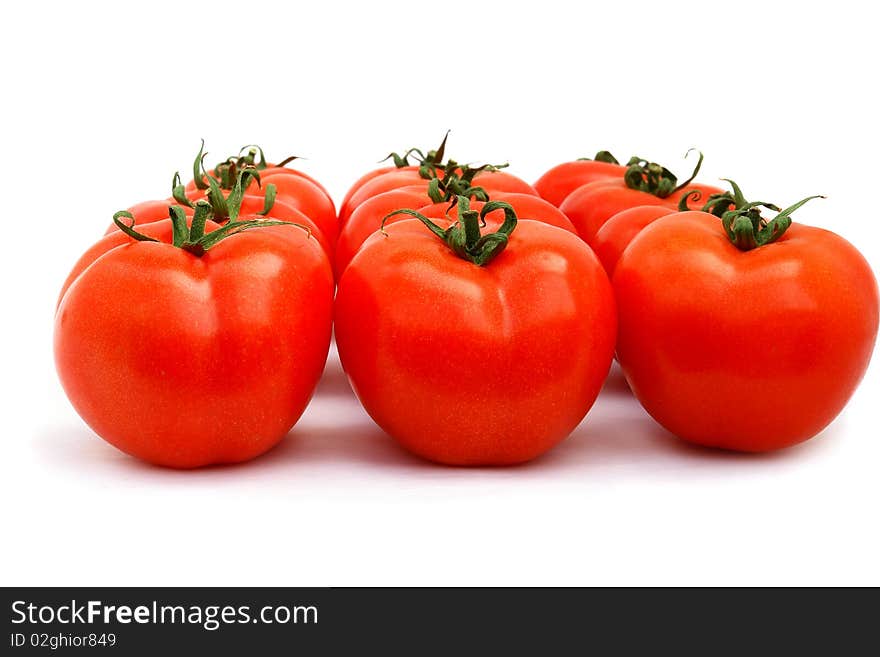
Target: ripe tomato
x,y
185,360
643,183
591,205
563,179
616,233
470,364
750,350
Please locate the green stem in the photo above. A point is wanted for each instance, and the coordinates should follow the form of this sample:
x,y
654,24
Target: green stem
x,y
655,179
193,238
747,229
464,237
601,156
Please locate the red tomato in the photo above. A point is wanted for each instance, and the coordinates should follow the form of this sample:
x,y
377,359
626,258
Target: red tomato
x,y
749,350
475,365
367,219
563,179
185,360
591,205
616,233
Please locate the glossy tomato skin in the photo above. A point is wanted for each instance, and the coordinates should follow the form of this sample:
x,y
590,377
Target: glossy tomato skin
x,y
468,365
616,234
367,219
591,205
563,179
187,361
750,351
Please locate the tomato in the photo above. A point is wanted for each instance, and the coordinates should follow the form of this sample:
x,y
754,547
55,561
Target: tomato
x,y
754,349
367,219
185,359
475,364
616,233
563,179
643,183
590,206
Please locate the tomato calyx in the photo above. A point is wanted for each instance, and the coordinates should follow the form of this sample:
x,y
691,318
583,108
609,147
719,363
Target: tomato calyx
x,y
656,179
464,237
227,171
458,180
216,207
193,238
741,219
226,207
601,156
428,162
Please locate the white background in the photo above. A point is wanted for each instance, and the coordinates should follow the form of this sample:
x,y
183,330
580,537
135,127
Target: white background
x,y
102,104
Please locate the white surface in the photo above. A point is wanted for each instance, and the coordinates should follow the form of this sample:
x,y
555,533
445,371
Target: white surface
x,y
125,94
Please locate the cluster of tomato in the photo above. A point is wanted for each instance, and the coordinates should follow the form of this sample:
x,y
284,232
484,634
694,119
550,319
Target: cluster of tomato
x,y
475,315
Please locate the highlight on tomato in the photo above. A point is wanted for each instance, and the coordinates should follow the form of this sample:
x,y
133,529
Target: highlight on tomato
x,y
743,332
472,347
560,181
292,187
187,343
644,183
